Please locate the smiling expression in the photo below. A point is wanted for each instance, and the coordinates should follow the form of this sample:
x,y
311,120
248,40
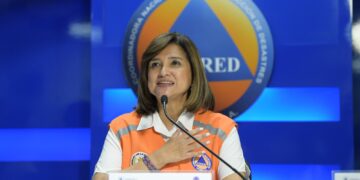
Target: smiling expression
x,y
170,73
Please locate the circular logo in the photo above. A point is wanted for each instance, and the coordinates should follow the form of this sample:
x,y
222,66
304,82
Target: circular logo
x,y
232,36
202,163
136,157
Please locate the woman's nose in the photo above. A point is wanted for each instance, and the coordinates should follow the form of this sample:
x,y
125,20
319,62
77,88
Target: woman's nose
x,y
164,70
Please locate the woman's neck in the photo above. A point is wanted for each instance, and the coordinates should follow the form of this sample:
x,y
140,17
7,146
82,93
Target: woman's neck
x,y
173,109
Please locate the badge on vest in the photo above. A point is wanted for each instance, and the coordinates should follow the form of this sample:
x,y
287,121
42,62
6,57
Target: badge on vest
x,y
202,163
136,157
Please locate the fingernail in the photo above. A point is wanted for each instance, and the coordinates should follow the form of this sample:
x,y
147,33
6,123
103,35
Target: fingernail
x,y
207,142
201,128
207,134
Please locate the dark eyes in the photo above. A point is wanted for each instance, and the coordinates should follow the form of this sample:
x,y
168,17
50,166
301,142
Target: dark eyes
x,y
155,64
175,62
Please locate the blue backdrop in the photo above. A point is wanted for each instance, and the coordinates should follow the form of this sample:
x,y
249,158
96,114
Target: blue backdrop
x,y
56,103
45,89
300,127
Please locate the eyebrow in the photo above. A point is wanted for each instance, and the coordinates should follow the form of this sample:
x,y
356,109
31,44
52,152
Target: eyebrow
x,y
175,57
154,59
171,57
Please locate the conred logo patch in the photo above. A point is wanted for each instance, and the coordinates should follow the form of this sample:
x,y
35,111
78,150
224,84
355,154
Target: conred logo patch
x,y
202,162
232,36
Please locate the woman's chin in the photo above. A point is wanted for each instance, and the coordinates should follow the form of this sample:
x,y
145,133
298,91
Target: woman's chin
x,y
161,93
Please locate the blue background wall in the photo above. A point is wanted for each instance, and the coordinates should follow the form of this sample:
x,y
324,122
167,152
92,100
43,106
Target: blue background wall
x,y
52,127
45,89
312,59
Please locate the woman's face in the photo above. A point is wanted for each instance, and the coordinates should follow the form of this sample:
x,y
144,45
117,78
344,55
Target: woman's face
x,y
170,74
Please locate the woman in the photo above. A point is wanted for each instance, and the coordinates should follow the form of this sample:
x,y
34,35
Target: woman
x,y
146,140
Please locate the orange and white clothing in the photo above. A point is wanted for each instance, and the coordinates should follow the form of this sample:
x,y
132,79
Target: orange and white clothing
x,y
131,136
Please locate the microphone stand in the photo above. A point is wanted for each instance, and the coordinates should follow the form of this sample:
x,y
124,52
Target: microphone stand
x,y
164,100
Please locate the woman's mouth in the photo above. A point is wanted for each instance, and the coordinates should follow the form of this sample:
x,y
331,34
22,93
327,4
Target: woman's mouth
x,y
165,83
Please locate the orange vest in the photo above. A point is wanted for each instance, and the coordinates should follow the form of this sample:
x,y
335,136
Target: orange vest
x,y
135,143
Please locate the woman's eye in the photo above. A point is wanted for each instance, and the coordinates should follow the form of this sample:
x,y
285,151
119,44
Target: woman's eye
x,y
154,64
176,62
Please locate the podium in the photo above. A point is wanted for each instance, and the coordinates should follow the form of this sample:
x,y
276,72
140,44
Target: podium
x,y
347,174
161,176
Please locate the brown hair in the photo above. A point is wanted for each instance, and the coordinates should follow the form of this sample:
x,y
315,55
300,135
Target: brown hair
x,y
199,93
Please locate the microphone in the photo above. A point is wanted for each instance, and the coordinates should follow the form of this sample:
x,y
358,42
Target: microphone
x,y
164,101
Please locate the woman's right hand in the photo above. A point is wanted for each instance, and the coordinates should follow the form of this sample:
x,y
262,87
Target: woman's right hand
x,y
179,147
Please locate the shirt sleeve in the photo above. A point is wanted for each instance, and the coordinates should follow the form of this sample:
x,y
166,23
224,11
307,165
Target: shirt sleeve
x,y
232,153
111,156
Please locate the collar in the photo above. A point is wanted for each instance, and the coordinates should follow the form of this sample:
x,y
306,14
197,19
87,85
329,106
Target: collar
x,y
186,119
